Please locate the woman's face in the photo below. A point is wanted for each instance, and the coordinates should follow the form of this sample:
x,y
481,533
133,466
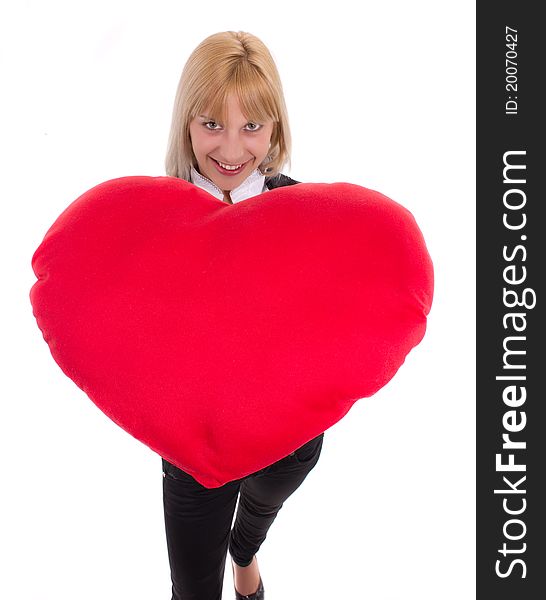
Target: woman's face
x,y
236,143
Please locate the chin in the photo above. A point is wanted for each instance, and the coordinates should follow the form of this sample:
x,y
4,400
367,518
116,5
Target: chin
x,y
228,183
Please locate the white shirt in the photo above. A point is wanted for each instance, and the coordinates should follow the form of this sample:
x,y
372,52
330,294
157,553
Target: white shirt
x,y
253,185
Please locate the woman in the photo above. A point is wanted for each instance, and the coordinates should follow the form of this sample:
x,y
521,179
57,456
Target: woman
x,y
229,136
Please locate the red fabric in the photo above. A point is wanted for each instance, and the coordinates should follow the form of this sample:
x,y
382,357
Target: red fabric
x,y
226,336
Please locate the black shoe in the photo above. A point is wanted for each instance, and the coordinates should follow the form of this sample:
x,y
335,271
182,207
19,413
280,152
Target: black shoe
x,y
257,595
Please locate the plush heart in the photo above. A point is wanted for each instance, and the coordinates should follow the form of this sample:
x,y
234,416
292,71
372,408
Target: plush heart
x,y
226,336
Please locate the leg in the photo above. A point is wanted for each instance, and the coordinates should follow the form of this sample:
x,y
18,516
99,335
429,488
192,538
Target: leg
x,y
262,496
197,524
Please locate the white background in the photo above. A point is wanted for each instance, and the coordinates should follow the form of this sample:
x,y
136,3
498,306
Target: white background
x,y
380,94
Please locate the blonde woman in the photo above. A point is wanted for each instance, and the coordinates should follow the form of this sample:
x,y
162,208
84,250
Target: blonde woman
x,y
229,136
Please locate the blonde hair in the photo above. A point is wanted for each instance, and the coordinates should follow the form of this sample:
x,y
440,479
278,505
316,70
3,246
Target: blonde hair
x,y
224,63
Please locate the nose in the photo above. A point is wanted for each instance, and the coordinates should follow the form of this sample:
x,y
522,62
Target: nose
x,y
232,148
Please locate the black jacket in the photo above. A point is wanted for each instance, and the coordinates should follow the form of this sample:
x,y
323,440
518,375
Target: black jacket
x,y
279,181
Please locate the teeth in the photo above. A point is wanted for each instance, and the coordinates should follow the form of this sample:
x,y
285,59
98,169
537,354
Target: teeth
x,y
229,167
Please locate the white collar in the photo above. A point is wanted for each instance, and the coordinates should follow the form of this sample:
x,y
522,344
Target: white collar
x,y
253,185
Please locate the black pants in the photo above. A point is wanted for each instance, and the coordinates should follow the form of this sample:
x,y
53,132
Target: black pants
x,y
198,520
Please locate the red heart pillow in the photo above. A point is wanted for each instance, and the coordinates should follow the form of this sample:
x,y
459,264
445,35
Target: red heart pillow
x,y
226,336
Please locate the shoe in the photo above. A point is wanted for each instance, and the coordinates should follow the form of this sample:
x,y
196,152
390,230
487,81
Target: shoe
x,y
257,595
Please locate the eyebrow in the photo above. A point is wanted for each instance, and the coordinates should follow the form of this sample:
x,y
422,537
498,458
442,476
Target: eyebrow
x,y
207,118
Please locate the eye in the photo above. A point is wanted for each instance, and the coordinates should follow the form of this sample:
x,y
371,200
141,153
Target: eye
x,y
214,125
253,126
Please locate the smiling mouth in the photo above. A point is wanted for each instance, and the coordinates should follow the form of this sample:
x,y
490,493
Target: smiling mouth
x,y
228,166
230,169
